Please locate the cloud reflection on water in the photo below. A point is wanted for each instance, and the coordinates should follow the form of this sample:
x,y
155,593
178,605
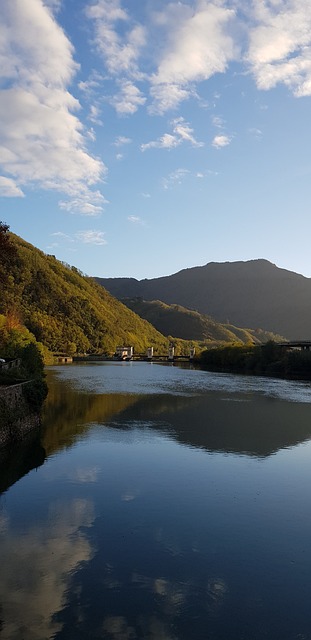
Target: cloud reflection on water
x,y
36,568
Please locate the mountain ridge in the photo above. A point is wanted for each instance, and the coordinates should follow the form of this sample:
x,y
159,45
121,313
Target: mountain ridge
x,y
250,294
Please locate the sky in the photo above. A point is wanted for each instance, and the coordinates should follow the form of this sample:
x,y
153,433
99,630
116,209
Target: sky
x,y
141,137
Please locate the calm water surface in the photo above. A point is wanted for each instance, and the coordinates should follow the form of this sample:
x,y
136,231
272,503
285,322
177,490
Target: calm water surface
x,y
159,503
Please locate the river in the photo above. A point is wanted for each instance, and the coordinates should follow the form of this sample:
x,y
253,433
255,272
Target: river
x,y
159,503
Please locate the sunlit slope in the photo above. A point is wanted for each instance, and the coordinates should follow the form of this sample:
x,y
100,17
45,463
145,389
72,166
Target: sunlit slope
x,y
175,320
66,310
251,294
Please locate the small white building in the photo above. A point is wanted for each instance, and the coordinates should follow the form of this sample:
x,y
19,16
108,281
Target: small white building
x,y
124,353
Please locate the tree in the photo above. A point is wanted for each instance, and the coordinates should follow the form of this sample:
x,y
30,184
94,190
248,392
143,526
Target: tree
x,y
7,255
7,249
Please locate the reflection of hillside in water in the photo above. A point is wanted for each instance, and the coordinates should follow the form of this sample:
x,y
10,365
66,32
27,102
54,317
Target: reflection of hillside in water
x,y
68,413
244,424
17,461
251,424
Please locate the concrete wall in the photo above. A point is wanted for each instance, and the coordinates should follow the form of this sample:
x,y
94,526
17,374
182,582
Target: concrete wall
x,y
16,420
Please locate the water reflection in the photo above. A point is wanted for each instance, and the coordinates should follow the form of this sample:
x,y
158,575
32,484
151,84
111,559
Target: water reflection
x,y
160,515
17,461
68,414
245,423
36,569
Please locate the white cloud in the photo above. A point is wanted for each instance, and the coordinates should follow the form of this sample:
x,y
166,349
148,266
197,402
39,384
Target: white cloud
x,y
88,203
9,189
121,140
63,236
221,141
182,132
42,141
135,220
188,43
218,122
128,99
91,237
94,115
167,141
198,46
185,133
167,96
174,178
280,45
92,84
120,53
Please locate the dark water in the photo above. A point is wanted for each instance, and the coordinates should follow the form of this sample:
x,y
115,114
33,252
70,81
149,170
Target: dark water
x,y
159,503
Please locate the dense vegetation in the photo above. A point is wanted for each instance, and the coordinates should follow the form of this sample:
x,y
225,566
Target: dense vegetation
x,y
245,294
175,320
269,359
65,310
16,342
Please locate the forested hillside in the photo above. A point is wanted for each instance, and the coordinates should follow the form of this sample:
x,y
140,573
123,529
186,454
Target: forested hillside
x,y
65,310
251,294
175,320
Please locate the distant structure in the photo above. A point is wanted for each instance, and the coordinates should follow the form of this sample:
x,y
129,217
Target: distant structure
x,y
171,352
62,358
127,353
124,353
298,345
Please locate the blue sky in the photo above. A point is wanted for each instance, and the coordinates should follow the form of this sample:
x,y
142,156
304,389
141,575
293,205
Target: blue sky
x,y
138,138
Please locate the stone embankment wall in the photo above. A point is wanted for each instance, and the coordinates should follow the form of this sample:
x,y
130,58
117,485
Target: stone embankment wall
x,y
16,419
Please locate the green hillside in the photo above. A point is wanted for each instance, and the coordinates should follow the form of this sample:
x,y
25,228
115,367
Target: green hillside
x,y
64,309
175,320
251,294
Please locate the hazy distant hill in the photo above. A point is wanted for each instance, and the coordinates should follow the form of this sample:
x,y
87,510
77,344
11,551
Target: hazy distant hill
x,y
246,294
175,320
66,310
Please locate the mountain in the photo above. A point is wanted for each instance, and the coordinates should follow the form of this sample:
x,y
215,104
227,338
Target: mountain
x,y
64,309
251,294
175,320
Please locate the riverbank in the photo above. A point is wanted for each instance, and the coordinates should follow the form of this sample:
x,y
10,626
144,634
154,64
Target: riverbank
x,y
270,359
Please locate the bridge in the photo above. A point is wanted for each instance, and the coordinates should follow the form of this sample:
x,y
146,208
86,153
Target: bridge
x,y
299,345
127,353
160,358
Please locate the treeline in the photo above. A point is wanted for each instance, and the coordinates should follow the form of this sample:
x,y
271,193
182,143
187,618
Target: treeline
x,y
269,359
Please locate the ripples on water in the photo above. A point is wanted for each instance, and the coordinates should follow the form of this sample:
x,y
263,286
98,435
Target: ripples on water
x,y
151,378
